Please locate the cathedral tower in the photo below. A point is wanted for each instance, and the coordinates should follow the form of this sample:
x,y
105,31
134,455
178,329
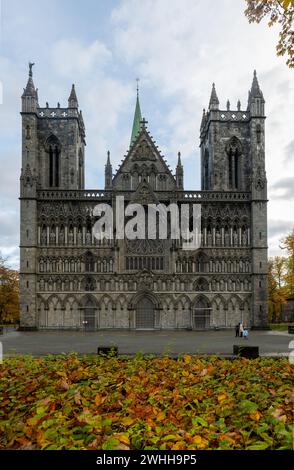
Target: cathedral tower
x,y
53,141
233,159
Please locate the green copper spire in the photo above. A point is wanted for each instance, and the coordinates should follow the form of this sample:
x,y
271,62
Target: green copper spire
x,y
137,118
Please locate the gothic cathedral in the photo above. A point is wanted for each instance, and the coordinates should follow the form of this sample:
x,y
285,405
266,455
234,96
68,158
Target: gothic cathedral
x,y
71,280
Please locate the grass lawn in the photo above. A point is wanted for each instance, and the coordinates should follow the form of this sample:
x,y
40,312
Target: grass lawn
x,y
92,402
280,326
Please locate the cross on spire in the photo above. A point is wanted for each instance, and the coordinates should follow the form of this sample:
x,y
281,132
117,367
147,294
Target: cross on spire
x,y
143,122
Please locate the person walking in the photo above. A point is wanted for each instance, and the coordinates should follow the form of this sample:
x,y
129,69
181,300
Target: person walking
x,y
245,333
237,330
241,329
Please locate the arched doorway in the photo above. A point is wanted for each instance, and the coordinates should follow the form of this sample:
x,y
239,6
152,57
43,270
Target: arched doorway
x,y
145,314
201,314
89,321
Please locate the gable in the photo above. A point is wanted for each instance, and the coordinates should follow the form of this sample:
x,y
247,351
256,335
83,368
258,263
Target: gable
x,y
144,162
144,194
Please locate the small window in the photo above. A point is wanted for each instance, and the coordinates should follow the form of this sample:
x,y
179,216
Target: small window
x,y
258,133
28,132
27,264
260,264
27,284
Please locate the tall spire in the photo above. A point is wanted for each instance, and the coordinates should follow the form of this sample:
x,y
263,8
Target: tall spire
x,y
255,97
137,118
180,173
213,102
255,91
72,100
30,93
203,120
30,90
108,172
108,158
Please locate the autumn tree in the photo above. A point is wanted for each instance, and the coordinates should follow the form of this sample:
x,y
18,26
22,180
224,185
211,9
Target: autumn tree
x,y
279,12
9,293
277,290
288,246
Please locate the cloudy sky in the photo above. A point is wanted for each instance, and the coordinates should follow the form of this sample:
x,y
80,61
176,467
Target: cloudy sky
x,y
177,48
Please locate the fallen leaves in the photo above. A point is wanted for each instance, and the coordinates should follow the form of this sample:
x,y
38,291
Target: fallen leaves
x,y
72,402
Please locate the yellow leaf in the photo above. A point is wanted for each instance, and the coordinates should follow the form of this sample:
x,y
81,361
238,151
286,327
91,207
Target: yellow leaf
x,y
160,416
221,397
122,438
127,421
197,439
187,359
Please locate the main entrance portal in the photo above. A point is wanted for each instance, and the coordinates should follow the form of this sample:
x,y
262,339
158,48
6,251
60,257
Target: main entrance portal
x,y
201,315
89,321
145,314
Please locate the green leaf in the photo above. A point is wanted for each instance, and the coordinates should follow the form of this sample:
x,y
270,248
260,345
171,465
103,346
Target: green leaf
x,y
199,420
258,445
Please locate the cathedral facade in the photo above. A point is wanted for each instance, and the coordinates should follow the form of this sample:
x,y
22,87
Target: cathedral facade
x,y
71,280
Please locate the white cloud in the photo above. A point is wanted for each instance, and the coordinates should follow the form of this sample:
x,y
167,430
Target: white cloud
x,y
73,59
178,48
181,48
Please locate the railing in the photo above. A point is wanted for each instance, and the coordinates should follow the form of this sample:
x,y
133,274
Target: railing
x,y
215,195
73,194
94,194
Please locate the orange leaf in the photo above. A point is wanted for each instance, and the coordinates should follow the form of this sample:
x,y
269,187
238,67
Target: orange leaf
x,y
122,438
255,415
98,399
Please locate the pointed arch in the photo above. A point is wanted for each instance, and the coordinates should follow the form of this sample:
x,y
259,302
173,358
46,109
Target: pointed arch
x,y
89,260
234,314
72,311
122,318
42,311
234,152
168,312
55,312
145,293
201,312
219,307
183,302
53,149
201,284
121,302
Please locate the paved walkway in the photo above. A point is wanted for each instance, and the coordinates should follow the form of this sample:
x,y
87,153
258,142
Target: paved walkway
x,y
150,342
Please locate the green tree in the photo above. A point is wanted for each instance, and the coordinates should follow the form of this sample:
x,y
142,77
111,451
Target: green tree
x,y
9,293
277,12
288,246
277,290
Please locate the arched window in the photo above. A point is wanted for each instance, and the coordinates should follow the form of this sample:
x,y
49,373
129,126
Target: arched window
x,y
89,262
80,174
258,133
206,170
234,151
53,148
